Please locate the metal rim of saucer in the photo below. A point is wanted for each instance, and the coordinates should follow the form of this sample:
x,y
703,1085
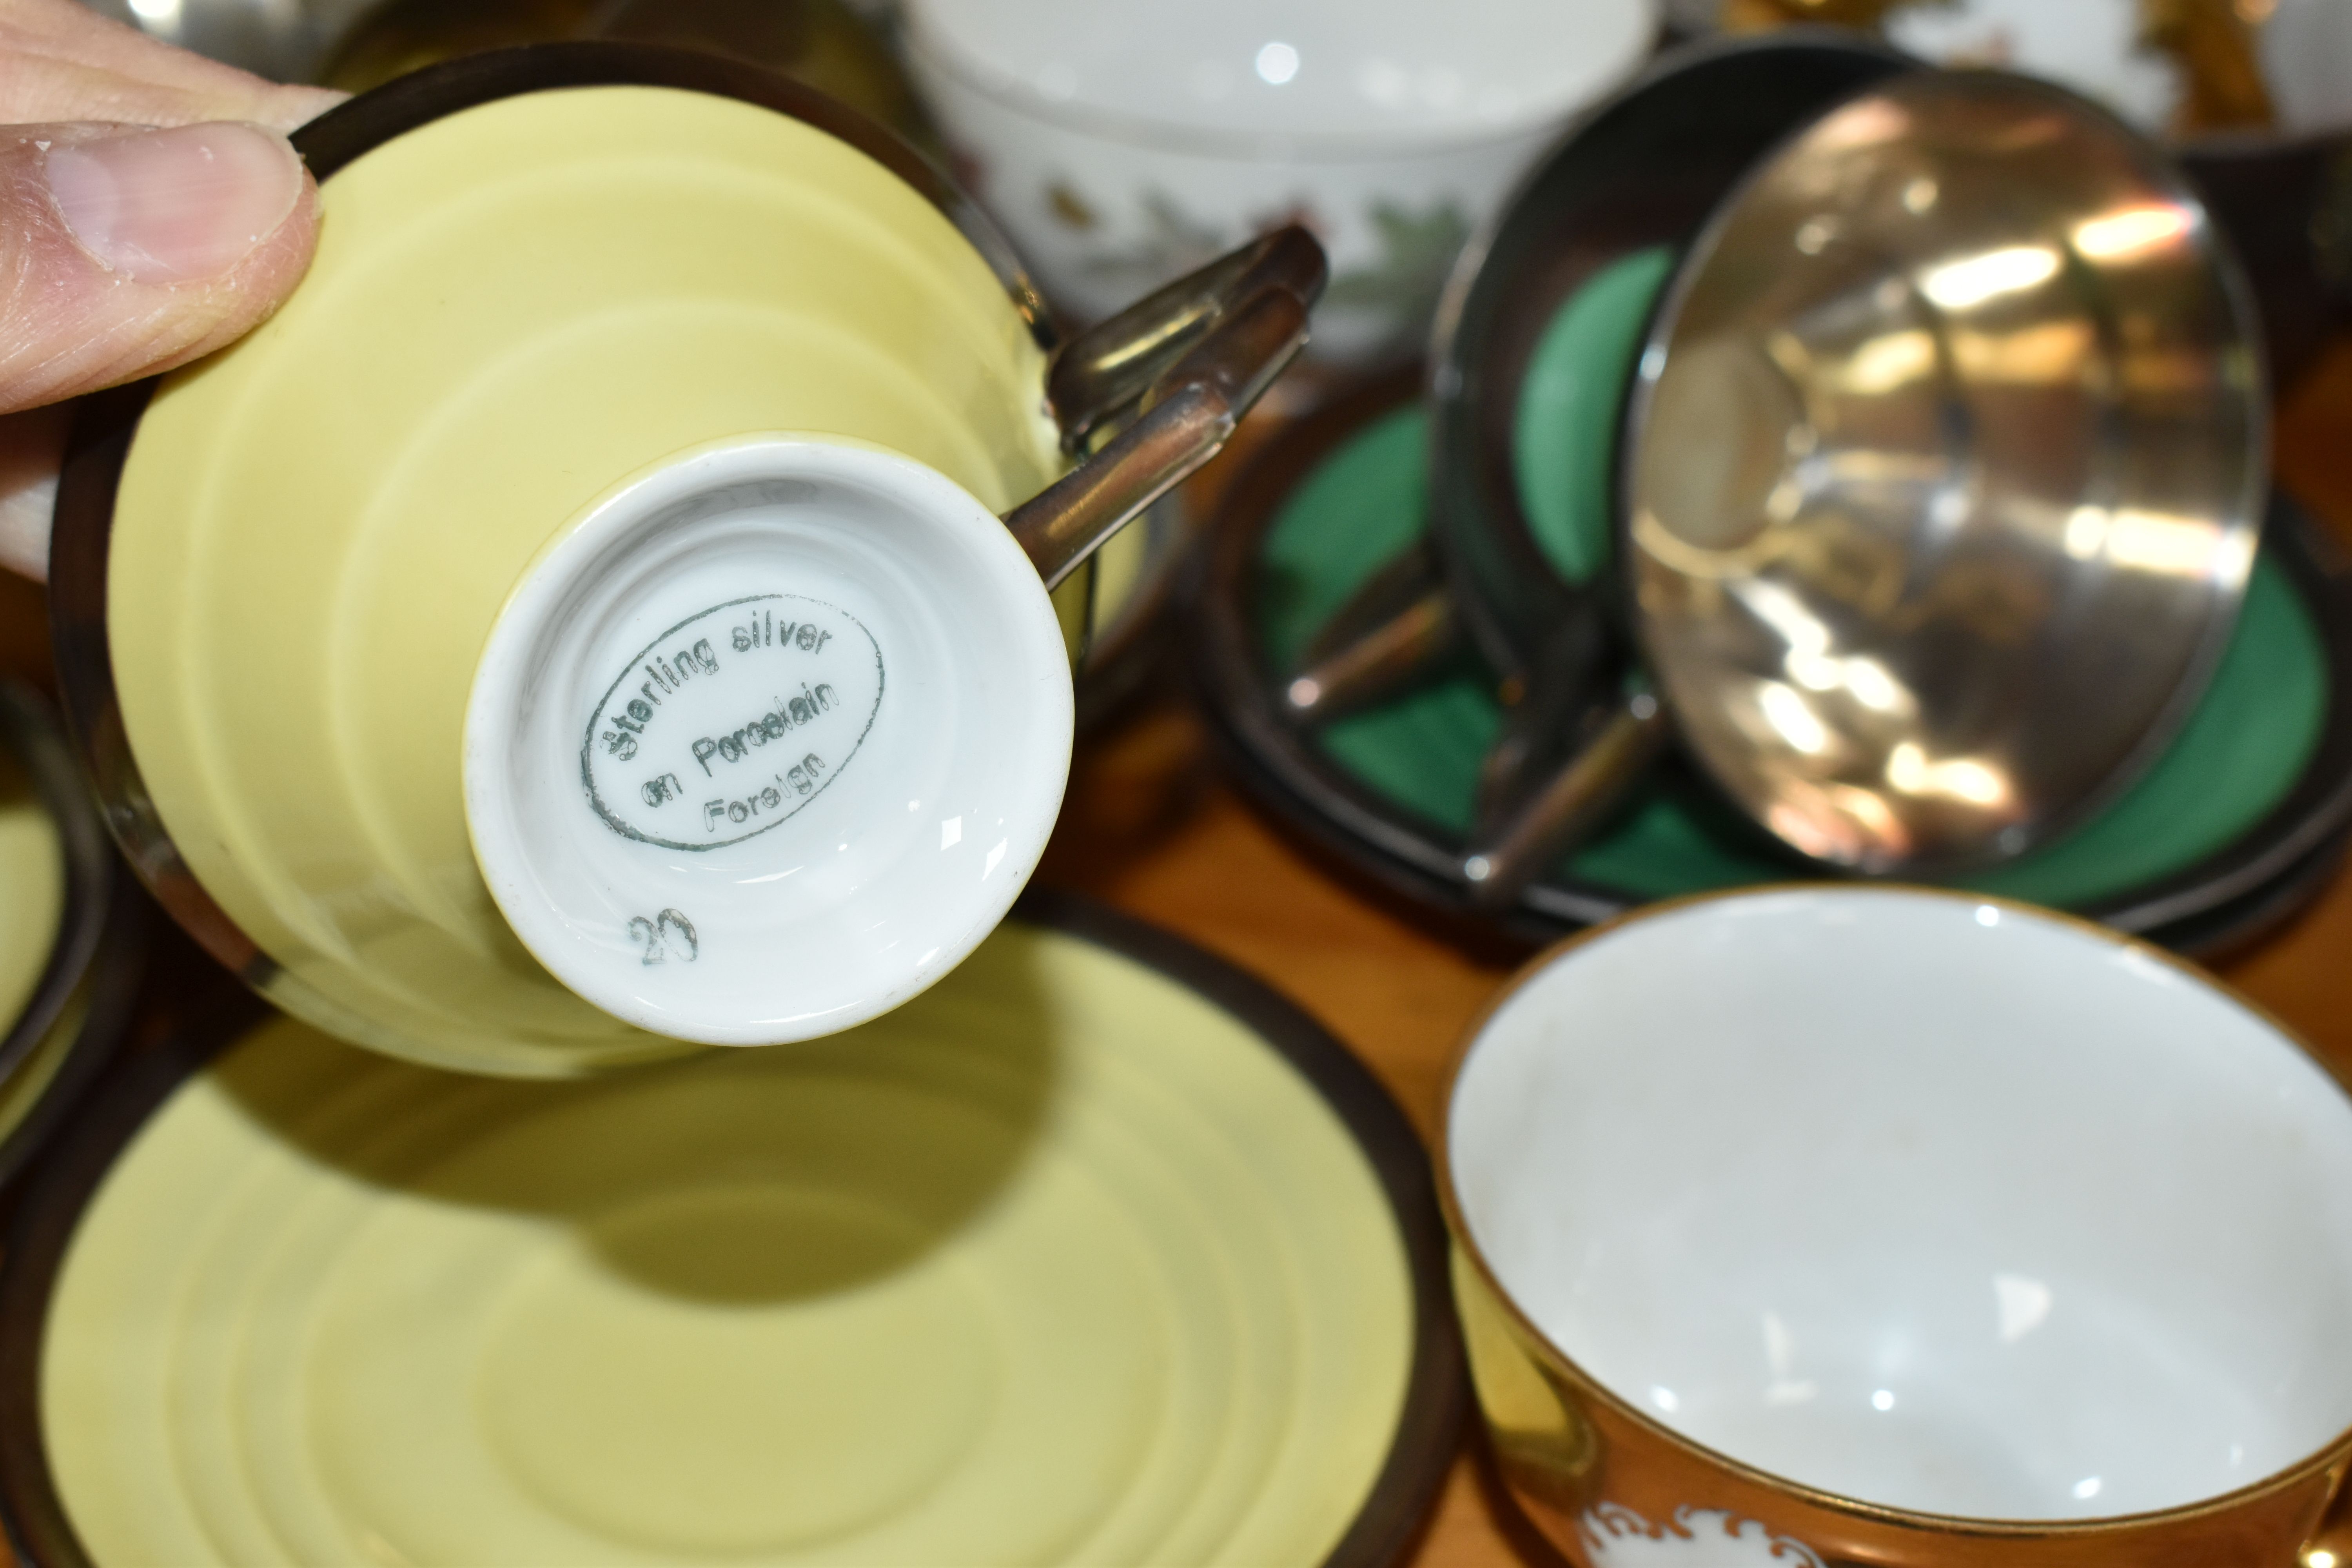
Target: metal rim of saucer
x,y
106,422
1430,1420
100,940
2230,896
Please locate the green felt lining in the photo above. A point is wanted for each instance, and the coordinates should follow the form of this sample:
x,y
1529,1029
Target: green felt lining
x,y
1565,426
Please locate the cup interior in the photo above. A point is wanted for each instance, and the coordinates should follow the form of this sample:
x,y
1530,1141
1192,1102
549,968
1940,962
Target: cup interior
x,y
1934,1203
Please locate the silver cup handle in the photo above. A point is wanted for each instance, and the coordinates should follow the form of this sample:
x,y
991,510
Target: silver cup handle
x,y
1155,392
1566,807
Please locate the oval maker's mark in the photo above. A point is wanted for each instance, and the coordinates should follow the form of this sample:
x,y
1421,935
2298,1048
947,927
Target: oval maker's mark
x,y
728,723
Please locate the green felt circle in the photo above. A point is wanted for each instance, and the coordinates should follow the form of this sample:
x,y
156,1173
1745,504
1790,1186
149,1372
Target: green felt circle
x,y
2239,753
1566,422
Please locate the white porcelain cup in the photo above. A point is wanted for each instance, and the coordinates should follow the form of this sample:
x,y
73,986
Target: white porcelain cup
x,y
1122,145
1889,1225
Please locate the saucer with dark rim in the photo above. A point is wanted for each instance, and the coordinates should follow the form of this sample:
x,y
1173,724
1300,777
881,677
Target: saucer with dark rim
x,y
2233,831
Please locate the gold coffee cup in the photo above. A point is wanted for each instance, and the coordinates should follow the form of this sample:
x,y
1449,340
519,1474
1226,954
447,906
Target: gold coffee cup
x,y
607,606
1841,1225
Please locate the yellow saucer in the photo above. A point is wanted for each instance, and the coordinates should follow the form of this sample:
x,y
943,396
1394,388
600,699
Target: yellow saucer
x,y
1062,1262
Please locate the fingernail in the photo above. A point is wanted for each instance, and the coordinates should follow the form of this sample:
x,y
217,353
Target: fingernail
x,y
165,207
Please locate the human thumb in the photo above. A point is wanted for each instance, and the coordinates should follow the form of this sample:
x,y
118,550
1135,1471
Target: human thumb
x,y
126,250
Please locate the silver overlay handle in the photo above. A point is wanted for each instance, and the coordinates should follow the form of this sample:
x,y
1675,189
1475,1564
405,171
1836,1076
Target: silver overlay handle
x,y
1189,361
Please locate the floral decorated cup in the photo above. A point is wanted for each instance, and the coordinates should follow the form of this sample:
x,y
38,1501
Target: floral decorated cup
x,y
1122,145
626,597
1845,1224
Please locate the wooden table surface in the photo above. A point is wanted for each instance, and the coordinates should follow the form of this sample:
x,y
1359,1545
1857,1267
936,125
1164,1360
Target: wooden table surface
x,y
1151,827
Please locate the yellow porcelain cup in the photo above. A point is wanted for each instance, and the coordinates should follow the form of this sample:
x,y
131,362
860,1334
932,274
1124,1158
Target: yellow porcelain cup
x,y
1815,1226
607,607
